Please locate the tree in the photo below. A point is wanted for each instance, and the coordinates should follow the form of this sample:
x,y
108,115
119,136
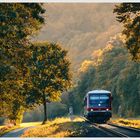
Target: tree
x,y
128,90
49,72
129,15
18,21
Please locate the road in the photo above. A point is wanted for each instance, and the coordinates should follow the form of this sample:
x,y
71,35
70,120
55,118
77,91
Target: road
x,y
18,132
15,133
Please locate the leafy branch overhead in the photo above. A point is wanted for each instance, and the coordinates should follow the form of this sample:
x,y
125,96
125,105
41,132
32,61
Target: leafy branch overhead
x,y
18,21
129,15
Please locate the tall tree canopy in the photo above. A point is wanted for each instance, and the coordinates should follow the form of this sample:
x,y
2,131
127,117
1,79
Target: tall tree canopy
x,y
18,21
129,15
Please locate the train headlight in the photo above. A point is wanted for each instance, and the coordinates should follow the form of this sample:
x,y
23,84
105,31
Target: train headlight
x,y
91,110
107,109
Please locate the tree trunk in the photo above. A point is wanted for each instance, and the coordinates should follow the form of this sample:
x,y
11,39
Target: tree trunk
x,y
17,116
45,110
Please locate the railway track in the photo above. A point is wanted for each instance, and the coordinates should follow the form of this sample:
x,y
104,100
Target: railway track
x,y
129,128
131,132
115,130
110,131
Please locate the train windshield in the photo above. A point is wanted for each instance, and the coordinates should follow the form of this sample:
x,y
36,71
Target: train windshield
x,y
96,100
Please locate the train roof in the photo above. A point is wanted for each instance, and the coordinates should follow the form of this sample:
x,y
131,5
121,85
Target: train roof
x,y
99,91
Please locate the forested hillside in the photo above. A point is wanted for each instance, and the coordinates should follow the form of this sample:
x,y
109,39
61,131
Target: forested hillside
x,y
111,69
80,28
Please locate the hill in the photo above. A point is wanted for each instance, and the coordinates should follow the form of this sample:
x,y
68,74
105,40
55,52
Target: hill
x,y
80,28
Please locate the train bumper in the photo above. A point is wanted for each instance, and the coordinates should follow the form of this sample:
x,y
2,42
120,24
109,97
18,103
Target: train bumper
x,y
101,114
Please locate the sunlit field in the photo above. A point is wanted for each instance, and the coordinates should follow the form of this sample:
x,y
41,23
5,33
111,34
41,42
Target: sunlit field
x,y
126,122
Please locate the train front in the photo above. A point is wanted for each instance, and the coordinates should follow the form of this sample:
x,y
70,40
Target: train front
x,y
99,106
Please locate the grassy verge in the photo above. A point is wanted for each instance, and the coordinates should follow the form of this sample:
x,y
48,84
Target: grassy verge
x,y
60,127
7,128
127,122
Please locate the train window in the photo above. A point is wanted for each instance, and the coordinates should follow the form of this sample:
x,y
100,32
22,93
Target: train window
x,y
104,97
94,97
97,100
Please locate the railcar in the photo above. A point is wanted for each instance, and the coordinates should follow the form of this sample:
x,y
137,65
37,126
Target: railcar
x,y
97,106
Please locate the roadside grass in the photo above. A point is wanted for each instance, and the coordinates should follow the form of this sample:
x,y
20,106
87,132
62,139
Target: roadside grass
x,y
28,124
7,128
127,122
60,127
